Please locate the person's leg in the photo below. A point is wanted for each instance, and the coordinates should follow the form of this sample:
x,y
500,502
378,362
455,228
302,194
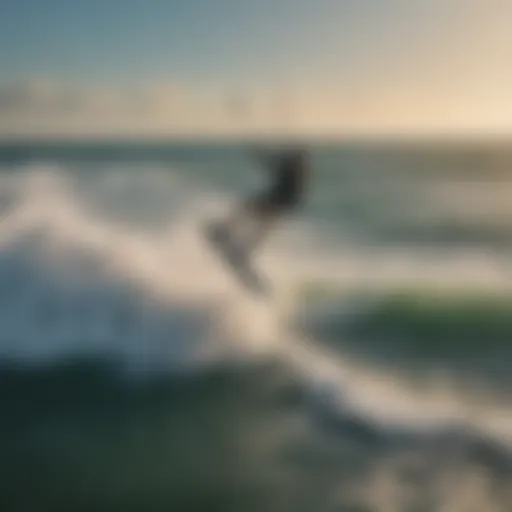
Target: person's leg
x,y
240,215
245,215
261,229
227,230
251,221
264,219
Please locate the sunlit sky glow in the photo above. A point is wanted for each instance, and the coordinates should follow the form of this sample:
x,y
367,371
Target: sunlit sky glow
x,y
345,67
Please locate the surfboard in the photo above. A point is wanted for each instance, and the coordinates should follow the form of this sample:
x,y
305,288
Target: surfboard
x,y
236,260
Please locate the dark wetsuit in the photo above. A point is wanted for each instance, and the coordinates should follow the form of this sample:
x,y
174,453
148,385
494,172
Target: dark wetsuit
x,y
289,174
287,188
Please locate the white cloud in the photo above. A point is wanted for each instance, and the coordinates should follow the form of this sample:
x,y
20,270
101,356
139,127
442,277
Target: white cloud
x,y
49,108
44,107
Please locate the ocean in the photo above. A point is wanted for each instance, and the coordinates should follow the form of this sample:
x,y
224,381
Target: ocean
x,y
137,374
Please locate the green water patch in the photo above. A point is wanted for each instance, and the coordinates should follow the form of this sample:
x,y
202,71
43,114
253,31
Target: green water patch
x,y
440,324
451,328
77,436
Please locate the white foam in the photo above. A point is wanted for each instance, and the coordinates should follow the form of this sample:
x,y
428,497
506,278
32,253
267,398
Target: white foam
x,y
87,277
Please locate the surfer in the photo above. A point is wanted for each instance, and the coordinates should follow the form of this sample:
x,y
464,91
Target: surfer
x,y
288,172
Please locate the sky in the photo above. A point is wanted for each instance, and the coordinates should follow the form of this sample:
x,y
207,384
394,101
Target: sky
x,y
224,67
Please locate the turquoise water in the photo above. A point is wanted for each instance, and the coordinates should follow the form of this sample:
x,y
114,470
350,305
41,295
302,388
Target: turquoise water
x,y
138,375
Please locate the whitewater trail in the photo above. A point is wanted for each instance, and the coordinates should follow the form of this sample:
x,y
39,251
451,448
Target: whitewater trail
x,y
93,283
172,271
170,268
